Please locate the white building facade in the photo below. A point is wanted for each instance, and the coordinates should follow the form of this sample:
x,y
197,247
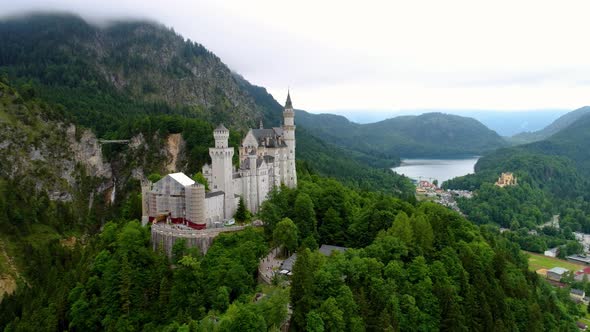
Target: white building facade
x,y
266,160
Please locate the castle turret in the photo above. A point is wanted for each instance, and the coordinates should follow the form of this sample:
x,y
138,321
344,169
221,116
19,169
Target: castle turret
x,y
145,189
289,175
252,193
221,168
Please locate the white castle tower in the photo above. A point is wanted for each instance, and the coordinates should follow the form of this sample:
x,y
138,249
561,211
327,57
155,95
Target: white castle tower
x,y
221,168
290,176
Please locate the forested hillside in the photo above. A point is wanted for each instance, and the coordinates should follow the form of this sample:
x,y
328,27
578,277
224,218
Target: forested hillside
x,y
553,180
555,127
426,135
139,61
413,267
409,267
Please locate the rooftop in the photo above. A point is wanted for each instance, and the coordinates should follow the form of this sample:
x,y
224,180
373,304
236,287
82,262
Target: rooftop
x,y
221,127
289,262
269,137
182,178
580,258
288,103
327,249
577,291
558,270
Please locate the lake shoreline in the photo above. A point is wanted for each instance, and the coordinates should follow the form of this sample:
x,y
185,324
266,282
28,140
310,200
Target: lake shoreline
x,y
440,169
404,163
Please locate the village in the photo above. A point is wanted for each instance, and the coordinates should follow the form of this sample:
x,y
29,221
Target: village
x,y
426,190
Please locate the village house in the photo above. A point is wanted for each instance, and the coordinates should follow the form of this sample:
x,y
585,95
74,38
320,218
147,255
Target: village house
x,y
581,274
578,295
580,259
556,273
553,252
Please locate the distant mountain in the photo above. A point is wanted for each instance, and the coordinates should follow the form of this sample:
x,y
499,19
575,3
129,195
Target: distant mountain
x,y
426,135
509,123
556,126
572,141
505,123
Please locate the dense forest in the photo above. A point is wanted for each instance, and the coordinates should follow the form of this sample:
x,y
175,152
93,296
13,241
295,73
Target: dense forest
x,y
409,267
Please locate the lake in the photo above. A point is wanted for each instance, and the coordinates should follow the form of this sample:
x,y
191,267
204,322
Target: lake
x,y
440,169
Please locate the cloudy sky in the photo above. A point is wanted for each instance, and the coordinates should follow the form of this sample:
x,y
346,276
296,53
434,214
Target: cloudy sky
x,y
383,55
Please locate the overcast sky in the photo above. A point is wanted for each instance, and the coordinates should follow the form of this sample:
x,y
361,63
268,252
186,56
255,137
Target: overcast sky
x,y
383,55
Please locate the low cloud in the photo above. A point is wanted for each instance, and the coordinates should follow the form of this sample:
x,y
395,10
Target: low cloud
x,y
382,55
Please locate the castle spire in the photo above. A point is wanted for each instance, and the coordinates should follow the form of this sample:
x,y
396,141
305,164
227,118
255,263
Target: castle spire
x,y
288,102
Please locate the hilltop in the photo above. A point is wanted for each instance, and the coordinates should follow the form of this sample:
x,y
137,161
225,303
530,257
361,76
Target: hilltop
x,y
425,135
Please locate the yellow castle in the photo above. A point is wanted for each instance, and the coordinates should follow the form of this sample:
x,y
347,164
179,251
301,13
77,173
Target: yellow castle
x,y
506,179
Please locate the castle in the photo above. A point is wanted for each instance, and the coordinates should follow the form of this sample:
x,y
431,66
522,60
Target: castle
x,y
266,160
506,179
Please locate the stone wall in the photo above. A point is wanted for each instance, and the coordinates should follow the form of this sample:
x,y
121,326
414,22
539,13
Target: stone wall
x,y
164,236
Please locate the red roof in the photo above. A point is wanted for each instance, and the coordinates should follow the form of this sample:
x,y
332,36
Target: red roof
x,y
585,270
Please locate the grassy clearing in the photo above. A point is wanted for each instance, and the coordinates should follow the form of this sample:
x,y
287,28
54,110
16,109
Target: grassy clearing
x,y
538,261
424,198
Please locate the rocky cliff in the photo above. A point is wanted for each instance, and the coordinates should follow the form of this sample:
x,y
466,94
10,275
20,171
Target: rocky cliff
x,y
36,147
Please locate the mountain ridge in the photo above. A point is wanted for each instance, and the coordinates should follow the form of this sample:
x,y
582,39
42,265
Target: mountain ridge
x,y
427,135
68,53
553,128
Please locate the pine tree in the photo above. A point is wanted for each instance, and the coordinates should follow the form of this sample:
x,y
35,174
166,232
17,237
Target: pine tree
x,y
305,217
402,229
241,213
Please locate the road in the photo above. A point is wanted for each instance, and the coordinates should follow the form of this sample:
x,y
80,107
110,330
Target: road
x,y
269,265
